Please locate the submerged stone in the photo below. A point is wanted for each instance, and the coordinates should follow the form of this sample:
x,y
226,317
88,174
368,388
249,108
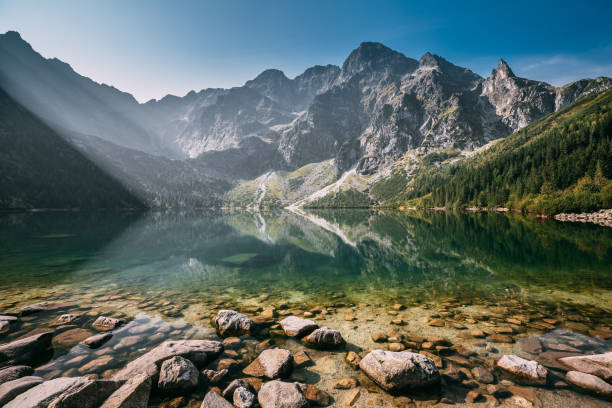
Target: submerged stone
x,y
104,323
214,400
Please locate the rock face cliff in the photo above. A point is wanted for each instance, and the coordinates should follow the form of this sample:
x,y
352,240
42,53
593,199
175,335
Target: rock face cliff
x,y
367,114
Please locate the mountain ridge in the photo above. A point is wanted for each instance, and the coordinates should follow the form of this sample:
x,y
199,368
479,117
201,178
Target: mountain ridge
x,y
369,114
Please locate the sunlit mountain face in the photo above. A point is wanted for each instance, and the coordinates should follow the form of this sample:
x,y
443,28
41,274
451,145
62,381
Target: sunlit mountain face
x,y
276,140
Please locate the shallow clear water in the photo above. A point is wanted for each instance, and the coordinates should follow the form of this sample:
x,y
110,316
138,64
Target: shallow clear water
x,y
167,274
352,254
349,255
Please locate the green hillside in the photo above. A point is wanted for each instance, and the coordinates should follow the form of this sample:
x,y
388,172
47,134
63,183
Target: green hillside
x,y
562,163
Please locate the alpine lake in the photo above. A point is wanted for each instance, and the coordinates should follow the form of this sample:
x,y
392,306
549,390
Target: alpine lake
x,y
463,288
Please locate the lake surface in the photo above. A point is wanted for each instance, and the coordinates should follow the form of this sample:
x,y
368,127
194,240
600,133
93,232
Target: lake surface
x,y
351,255
167,274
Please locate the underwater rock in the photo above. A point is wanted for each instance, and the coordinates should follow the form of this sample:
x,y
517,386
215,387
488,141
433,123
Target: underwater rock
x,y
97,340
597,364
590,383
104,323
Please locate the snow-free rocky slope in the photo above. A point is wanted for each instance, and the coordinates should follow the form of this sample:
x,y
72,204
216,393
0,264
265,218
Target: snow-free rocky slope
x,y
373,113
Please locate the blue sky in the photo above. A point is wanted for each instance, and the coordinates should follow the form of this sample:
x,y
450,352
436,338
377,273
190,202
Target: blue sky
x,y
152,48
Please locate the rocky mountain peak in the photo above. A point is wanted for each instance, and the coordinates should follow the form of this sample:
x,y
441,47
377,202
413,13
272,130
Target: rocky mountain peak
x,y
503,70
372,56
429,60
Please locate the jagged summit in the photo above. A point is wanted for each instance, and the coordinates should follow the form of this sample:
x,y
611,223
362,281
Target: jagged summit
x,y
503,69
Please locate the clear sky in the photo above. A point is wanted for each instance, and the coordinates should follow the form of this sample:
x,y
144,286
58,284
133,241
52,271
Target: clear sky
x,y
152,48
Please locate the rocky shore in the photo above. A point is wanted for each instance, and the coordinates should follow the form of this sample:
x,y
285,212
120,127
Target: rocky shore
x,y
601,217
328,355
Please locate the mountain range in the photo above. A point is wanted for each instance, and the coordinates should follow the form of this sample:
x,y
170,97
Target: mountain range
x,y
277,141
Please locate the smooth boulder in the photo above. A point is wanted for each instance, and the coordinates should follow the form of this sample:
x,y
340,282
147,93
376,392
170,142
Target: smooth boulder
x,y
89,394
232,323
596,364
177,374
11,389
395,371
525,371
25,350
42,395
133,394
294,326
325,338
14,372
271,363
199,352
279,394
41,307
590,383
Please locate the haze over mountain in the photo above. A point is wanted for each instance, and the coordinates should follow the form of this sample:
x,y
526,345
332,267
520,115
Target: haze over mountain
x,y
277,140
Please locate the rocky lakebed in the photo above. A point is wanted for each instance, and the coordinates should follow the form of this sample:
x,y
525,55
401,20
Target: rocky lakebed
x,y
119,350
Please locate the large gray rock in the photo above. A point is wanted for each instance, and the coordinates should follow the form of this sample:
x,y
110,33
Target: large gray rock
x,y
133,394
25,350
14,372
395,371
294,326
325,338
597,364
176,375
525,371
104,323
590,383
90,394
214,400
11,389
44,394
271,363
279,394
243,398
199,352
232,323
